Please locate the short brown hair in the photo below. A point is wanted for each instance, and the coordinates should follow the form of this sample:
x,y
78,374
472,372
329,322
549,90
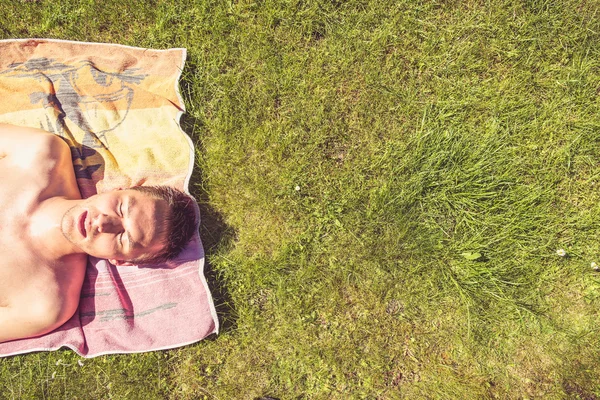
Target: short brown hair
x,y
180,223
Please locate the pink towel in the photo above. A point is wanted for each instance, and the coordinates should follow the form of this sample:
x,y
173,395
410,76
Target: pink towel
x,y
118,107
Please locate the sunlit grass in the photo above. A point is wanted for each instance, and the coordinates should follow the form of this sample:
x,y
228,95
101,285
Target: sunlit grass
x,y
386,185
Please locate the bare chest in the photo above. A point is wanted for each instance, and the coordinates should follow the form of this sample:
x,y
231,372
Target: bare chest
x,y
18,199
23,271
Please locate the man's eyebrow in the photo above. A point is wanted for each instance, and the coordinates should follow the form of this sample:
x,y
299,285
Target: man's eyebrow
x,y
130,242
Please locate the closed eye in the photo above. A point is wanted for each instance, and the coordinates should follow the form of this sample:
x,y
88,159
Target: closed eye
x,y
120,213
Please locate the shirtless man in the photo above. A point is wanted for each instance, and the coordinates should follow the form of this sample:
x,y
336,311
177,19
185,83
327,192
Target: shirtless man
x,y
47,230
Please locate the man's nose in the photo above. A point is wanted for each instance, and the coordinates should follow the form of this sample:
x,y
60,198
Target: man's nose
x,y
107,224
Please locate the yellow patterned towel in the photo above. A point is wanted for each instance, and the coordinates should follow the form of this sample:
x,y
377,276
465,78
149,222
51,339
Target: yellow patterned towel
x,y
118,107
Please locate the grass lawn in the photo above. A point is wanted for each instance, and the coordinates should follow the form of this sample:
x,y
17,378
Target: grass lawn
x,y
385,185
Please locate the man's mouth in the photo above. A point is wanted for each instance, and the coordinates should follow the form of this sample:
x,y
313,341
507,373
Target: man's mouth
x,y
82,228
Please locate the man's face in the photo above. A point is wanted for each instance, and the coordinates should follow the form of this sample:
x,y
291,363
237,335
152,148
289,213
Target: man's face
x,y
120,225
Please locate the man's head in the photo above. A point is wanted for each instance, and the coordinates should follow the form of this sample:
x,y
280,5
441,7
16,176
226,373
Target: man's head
x,y
140,225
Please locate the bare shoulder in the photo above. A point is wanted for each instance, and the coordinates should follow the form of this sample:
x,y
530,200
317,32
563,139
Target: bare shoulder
x,y
8,129
32,319
23,321
15,132
39,305
37,157
23,144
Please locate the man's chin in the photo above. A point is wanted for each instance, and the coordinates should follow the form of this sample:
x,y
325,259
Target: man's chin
x,y
66,232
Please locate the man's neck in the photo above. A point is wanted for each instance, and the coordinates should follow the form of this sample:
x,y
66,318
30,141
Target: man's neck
x,y
45,230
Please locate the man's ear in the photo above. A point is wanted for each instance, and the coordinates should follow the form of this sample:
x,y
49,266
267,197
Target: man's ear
x,y
120,263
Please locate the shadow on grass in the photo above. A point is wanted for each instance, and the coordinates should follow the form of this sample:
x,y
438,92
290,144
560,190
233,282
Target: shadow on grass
x,y
214,232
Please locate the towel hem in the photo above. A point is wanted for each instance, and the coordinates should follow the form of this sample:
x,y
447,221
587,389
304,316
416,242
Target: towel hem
x,y
94,43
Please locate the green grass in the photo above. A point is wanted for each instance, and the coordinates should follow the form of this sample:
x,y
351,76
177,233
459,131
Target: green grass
x,y
420,135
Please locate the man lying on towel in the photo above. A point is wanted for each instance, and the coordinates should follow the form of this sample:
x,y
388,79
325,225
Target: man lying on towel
x,y
47,230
